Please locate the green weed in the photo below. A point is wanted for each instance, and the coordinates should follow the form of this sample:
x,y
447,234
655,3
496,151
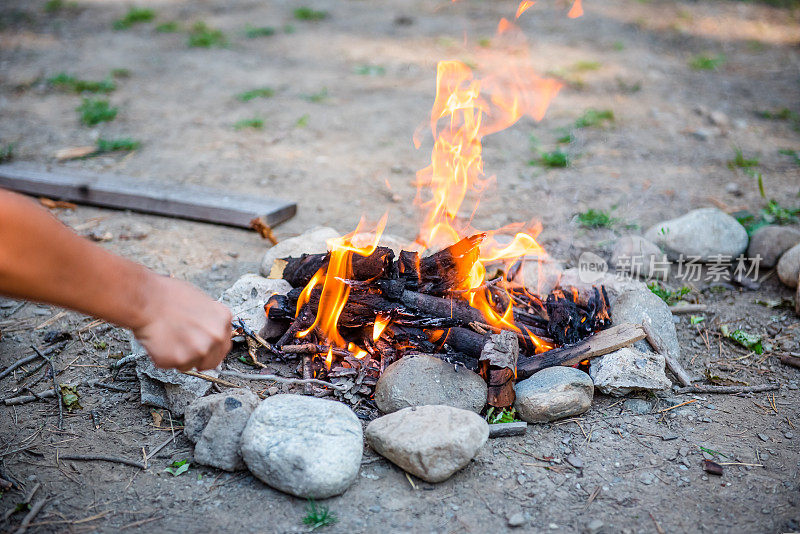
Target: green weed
x,y
484,42
203,36
555,159
302,122
120,73
739,160
318,516
593,218
135,15
54,6
171,26
594,117
307,13
261,92
67,82
670,297
504,415
370,70
93,111
795,154
6,152
256,123
178,467
120,144
585,66
252,32
707,62
318,97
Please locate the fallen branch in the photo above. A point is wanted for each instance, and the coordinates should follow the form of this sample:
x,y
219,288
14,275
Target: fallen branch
x,y
504,430
5,485
17,364
728,389
603,342
101,458
788,359
24,399
688,308
31,515
280,379
56,392
158,448
658,346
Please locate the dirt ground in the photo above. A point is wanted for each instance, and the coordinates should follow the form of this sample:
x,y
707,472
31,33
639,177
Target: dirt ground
x,y
349,152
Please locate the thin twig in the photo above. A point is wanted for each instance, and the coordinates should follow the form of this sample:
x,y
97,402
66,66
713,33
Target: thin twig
x,y
17,364
56,392
101,458
280,379
728,389
688,308
159,447
677,406
658,345
213,379
29,517
123,361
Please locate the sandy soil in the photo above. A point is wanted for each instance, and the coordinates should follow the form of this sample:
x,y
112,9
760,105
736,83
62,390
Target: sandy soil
x,y
660,158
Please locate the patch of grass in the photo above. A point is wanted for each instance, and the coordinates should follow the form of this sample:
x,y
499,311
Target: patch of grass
x,y
484,42
178,467
586,66
318,97
256,123
594,117
6,152
505,415
670,297
120,73
302,122
120,144
593,218
318,516
618,46
370,70
565,138
135,15
795,154
739,160
555,159
67,82
93,111
707,62
253,32
203,36
747,340
307,13
54,6
261,92
171,26
782,114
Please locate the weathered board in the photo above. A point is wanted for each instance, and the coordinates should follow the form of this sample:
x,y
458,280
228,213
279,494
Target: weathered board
x,y
118,192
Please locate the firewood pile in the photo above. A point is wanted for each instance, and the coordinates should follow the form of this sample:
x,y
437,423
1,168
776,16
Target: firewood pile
x,y
396,306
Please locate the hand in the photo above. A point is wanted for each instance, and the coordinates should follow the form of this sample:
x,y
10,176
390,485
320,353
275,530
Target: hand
x,y
182,327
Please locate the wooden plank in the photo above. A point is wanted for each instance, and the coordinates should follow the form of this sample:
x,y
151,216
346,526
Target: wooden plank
x,y
183,201
603,342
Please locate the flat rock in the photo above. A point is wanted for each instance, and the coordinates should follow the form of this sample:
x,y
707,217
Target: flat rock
x,y
703,233
420,379
637,406
639,305
789,266
314,241
246,299
637,256
430,442
553,393
770,242
304,446
215,424
625,370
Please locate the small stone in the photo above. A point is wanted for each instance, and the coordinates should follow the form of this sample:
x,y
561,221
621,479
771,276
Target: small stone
x,y
770,242
516,520
637,406
763,437
788,435
669,436
304,446
704,233
273,390
636,256
594,526
430,442
314,241
718,118
732,188
625,370
246,299
421,379
789,266
703,134
215,424
553,393
574,461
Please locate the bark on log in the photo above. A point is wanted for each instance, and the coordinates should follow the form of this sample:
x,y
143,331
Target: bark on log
x,y
601,343
788,359
299,271
497,366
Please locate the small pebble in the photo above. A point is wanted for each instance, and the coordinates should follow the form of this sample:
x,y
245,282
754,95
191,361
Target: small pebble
x,y
516,520
763,437
788,435
575,461
594,526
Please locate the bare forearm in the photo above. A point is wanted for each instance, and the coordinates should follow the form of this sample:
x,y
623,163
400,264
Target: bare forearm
x,y
43,260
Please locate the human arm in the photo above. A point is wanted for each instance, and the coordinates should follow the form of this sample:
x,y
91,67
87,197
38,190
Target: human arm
x,y
43,260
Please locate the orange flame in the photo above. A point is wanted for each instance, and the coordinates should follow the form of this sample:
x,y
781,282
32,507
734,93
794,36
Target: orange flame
x,y
523,7
334,290
576,10
381,322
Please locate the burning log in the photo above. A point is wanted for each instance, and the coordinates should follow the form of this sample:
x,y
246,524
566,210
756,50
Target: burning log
x,y
299,271
498,367
443,271
601,343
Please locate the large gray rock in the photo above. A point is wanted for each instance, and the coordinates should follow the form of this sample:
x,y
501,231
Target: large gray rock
x,y
702,233
430,442
215,424
625,370
789,266
246,299
314,241
420,379
305,446
770,242
636,256
640,305
553,393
